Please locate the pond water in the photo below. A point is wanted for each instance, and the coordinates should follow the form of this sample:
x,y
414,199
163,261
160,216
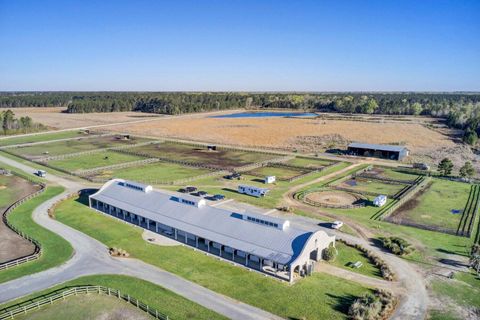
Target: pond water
x,y
266,114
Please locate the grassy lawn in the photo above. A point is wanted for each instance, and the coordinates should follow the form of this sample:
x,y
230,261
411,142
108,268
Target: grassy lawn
x,y
41,137
94,160
396,175
348,255
317,297
165,301
56,250
153,173
434,205
72,146
278,172
309,162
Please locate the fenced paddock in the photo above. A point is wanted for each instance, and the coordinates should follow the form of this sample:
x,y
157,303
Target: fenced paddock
x,y
38,249
60,295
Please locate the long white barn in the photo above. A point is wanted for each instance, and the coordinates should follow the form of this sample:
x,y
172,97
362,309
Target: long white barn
x,y
259,242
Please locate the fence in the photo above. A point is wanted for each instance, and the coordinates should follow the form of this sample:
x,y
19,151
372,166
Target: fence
x,y
383,214
91,135
88,172
38,249
37,303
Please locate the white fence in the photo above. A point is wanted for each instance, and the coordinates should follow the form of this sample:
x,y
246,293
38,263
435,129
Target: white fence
x,y
35,304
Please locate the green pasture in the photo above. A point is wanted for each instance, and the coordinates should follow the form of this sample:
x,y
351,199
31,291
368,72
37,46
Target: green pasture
x,y
278,172
94,160
41,137
312,163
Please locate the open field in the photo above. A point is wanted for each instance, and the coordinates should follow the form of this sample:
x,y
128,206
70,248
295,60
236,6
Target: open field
x,y
281,173
72,146
13,188
153,173
41,137
92,306
56,118
361,185
309,162
433,205
93,160
221,158
175,306
56,250
295,301
291,133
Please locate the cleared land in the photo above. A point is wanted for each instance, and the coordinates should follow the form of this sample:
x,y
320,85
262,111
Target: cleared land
x,y
73,146
41,137
281,173
93,306
154,173
440,205
295,301
13,188
221,158
309,162
175,306
361,185
334,198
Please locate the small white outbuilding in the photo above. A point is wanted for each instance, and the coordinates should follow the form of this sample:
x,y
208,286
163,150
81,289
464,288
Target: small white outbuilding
x,y
380,200
270,179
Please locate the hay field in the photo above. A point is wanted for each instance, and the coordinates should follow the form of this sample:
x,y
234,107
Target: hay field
x,y
302,134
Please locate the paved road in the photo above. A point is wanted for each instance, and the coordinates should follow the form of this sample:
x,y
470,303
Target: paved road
x,y
91,257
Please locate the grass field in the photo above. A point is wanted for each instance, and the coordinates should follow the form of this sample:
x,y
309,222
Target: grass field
x,y
92,306
309,162
154,173
94,160
72,146
433,205
55,249
190,153
375,186
295,301
175,306
41,137
281,173
348,255
396,175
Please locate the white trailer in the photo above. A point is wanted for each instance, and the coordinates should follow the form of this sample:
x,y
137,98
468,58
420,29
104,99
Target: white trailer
x,y
380,200
252,191
270,179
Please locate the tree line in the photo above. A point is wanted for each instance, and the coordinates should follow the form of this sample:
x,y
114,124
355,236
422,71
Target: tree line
x,y
12,125
460,110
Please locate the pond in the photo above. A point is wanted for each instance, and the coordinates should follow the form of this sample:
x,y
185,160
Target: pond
x,y
266,114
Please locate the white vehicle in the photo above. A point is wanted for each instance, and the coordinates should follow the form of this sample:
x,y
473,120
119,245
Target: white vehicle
x,y
337,224
41,173
252,191
270,179
380,200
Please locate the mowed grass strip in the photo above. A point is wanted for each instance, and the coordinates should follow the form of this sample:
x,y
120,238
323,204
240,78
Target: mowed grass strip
x,y
56,250
153,173
165,301
320,296
41,137
435,204
94,160
309,162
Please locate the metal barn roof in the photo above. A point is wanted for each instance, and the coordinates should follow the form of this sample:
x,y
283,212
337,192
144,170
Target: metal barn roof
x,y
382,147
215,224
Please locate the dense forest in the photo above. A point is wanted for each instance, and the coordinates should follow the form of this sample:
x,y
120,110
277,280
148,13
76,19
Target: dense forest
x,y
12,125
461,110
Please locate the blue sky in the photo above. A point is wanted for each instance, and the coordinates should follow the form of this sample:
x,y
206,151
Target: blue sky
x,y
240,45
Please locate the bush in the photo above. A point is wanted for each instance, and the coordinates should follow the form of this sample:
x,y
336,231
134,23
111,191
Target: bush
x,y
372,306
396,245
118,252
330,253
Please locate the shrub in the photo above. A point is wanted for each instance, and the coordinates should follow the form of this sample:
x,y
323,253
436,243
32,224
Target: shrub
x,y
118,252
329,253
372,306
396,245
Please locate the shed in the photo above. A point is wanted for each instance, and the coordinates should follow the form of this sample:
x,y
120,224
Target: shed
x,y
270,179
384,151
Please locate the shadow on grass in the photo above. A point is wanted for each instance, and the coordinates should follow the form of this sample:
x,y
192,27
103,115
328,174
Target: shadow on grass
x,y
458,253
342,303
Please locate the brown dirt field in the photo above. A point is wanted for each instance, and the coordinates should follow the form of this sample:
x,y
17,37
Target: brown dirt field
x,y
339,198
13,246
288,132
55,118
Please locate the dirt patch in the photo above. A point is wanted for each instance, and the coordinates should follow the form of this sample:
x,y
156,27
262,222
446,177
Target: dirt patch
x,y
410,204
334,198
14,246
